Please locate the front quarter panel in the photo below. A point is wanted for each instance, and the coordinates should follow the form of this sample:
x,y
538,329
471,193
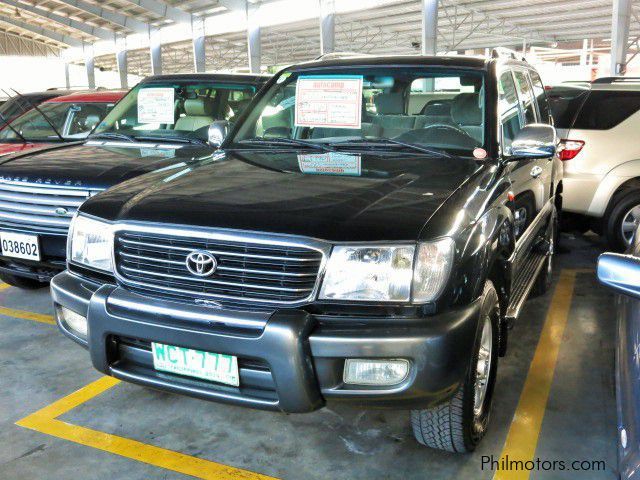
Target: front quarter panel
x,y
481,223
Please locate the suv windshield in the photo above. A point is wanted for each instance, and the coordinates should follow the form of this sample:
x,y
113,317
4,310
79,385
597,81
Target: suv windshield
x,y
428,107
175,109
71,120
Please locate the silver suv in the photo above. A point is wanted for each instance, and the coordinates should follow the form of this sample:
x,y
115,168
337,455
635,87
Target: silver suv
x,y
598,125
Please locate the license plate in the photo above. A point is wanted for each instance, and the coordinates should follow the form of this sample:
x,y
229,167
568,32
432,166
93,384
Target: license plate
x,y
215,367
19,245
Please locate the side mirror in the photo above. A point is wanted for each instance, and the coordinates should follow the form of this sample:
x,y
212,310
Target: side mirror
x,y
218,130
534,141
620,272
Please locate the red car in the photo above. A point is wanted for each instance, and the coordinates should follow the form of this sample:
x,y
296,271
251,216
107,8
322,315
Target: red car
x,y
63,119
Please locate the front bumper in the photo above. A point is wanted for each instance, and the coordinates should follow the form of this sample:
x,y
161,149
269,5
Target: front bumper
x,y
288,359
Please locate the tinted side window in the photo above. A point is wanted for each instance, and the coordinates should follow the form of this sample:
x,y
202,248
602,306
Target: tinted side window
x,y
508,106
606,109
565,103
526,96
541,97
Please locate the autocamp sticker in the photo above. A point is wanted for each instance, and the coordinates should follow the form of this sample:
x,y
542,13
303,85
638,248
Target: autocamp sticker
x,y
330,163
156,105
329,101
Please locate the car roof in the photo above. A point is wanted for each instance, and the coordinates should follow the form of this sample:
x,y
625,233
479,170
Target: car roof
x,y
449,61
251,78
102,96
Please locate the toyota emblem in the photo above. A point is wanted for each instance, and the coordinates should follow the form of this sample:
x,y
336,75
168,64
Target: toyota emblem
x,y
201,263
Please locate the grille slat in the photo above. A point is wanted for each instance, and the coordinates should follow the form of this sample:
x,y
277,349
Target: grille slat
x,y
33,206
247,274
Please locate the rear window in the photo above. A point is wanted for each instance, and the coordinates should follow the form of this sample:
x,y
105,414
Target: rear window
x,y
606,109
564,103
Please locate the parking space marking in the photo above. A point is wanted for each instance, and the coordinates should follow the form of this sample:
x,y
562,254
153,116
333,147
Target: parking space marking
x,y
46,421
24,315
522,439
34,317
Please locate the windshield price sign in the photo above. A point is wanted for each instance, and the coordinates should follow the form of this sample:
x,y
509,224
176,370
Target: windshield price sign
x,y
156,105
329,101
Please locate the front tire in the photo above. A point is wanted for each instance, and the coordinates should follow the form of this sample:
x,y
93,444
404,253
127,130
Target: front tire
x,y
621,223
21,282
459,424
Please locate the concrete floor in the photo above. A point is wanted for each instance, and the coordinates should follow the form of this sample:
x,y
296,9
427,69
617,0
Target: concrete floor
x,y
39,366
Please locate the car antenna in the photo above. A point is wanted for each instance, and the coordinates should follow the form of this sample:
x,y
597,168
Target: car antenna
x,y
41,113
7,123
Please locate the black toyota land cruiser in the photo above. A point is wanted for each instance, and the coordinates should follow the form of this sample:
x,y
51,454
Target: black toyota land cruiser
x,y
162,123
368,233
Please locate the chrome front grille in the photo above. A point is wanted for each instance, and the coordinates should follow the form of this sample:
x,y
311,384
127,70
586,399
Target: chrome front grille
x,y
37,207
248,273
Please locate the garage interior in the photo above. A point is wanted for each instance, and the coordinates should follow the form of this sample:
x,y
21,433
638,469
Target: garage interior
x,y
60,419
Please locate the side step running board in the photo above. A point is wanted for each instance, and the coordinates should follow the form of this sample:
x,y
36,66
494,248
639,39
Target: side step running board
x,y
523,283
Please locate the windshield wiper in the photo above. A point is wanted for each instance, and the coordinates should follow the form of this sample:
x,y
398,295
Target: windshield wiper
x,y
37,109
197,141
113,136
7,123
380,142
288,142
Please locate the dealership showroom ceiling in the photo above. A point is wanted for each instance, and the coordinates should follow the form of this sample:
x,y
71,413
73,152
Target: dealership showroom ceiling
x,y
319,239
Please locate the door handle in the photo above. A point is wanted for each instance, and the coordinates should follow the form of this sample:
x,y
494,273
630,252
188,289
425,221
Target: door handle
x,y
536,171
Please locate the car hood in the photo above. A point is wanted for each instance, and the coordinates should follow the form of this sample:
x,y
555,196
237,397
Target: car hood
x,y
6,148
93,165
335,197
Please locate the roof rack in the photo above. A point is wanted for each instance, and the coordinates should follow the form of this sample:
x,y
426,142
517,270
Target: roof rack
x,y
603,80
338,55
502,52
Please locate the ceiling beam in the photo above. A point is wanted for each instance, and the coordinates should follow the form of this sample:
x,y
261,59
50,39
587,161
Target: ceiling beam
x,y
163,10
98,32
115,18
42,32
233,4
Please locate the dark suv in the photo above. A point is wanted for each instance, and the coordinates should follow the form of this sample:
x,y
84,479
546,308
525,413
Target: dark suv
x,y
162,123
355,239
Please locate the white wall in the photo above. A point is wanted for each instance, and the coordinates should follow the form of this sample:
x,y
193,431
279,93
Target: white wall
x,y
30,74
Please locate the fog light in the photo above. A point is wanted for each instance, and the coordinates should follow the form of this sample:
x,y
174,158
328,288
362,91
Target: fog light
x,y
72,320
375,372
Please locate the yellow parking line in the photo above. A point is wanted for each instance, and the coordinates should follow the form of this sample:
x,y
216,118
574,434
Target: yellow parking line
x,y
45,421
35,317
522,438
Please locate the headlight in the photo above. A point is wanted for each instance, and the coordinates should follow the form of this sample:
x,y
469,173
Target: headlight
x,y
388,273
369,273
91,243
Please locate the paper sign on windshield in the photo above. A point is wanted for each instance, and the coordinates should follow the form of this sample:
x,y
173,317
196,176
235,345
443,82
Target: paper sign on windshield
x,y
329,101
330,163
156,105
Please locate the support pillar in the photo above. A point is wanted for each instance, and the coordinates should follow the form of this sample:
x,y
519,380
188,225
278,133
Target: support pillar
x,y
327,26
620,36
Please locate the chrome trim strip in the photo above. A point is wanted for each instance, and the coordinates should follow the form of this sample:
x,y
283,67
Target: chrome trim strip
x,y
37,219
40,199
226,235
250,320
44,189
212,282
217,252
229,269
34,209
